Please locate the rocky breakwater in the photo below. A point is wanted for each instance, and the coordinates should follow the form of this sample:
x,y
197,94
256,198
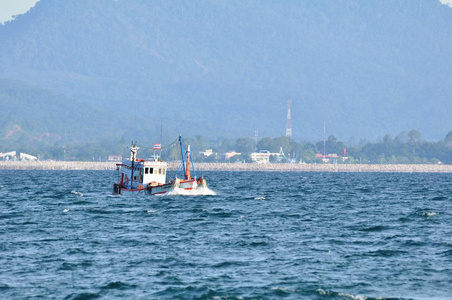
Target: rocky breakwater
x,y
324,167
56,165
87,165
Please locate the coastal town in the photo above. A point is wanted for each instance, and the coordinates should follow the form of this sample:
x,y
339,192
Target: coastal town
x,y
267,153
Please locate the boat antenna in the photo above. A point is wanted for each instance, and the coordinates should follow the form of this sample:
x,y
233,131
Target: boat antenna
x,y
161,131
161,136
324,139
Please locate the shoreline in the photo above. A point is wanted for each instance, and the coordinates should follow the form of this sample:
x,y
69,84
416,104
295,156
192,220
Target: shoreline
x,y
244,167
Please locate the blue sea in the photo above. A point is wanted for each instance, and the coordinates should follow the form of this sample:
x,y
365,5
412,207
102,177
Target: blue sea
x,y
260,235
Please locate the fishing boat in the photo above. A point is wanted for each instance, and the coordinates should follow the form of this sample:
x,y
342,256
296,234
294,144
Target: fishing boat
x,y
148,176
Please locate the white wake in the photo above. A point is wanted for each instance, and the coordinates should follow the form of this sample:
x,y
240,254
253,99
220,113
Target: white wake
x,y
200,191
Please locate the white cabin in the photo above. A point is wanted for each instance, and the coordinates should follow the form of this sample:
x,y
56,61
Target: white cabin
x,y
145,172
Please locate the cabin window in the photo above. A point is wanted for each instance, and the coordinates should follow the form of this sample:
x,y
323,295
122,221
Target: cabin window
x,y
146,170
151,170
160,170
164,171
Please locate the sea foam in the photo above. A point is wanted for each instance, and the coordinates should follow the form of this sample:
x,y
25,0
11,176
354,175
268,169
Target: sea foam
x,y
197,192
77,193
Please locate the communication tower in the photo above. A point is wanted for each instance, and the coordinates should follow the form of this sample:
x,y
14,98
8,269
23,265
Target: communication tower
x,y
256,136
324,139
289,121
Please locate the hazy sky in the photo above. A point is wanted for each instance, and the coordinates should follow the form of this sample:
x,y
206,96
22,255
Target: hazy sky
x,y
9,8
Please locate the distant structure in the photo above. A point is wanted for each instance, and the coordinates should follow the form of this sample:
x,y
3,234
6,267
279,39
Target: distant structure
x,y
256,137
114,158
263,156
324,138
230,154
326,158
289,121
344,158
25,156
12,155
207,152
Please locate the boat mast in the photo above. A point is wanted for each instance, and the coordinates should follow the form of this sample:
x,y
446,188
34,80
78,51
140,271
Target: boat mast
x,y
187,169
182,153
133,152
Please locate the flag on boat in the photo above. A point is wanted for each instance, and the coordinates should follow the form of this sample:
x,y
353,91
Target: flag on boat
x,y
157,146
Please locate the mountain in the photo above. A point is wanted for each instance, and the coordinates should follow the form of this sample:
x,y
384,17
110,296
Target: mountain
x,y
226,68
31,115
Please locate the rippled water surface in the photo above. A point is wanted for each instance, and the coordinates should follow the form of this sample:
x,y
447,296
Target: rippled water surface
x,y
263,235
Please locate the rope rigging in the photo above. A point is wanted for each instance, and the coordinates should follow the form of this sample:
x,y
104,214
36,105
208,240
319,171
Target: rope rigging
x,y
152,148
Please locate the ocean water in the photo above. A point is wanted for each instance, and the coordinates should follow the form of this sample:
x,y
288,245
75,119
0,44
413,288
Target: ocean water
x,y
260,235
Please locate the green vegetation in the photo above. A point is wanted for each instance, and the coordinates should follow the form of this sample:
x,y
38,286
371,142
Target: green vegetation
x,y
406,148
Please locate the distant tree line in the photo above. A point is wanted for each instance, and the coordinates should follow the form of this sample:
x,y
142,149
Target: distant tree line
x,y
405,148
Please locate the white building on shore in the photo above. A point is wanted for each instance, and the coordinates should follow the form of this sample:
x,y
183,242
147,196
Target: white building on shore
x,y
263,156
28,157
12,155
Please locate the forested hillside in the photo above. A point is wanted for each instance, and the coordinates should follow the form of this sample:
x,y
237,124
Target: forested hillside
x,y
31,115
225,68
